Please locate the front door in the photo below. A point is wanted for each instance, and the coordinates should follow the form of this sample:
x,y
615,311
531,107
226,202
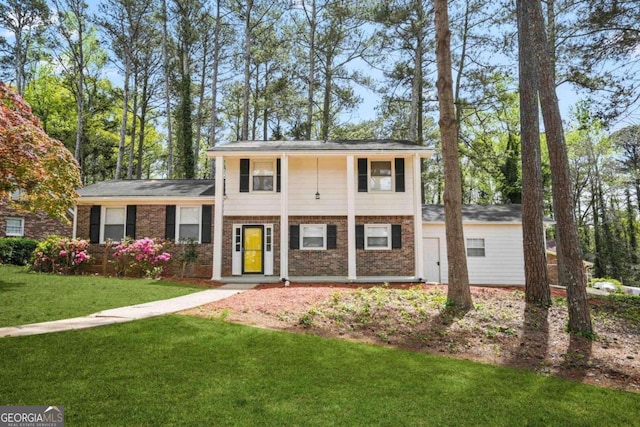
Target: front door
x,y
252,259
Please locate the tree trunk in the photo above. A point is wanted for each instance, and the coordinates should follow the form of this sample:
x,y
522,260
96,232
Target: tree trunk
x,y
326,104
570,267
167,92
143,120
535,262
312,70
459,293
214,87
246,89
132,148
123,121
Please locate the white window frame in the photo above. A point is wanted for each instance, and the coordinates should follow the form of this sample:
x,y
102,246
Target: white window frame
x,y
369,227
273,175
179,222
304,227
476,244
372,187
15,234
103,222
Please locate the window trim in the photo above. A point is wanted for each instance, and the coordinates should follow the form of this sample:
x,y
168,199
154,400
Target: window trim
x,y
324,237
474,247
392,176
179,208
273,176
103,222
8,234
368,227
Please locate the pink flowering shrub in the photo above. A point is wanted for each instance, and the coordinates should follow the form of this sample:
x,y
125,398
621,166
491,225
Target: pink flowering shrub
x,y
143,257
61,255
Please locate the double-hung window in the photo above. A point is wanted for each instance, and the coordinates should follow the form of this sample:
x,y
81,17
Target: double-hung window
x,y
15,227
475,248
381,175
262,175
188,223
313,237
377,236
114,223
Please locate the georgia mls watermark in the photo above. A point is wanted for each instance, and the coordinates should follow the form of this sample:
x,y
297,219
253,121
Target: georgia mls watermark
x,y
31,416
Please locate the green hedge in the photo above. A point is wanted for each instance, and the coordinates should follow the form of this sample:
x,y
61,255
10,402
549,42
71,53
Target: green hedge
x,y
16,250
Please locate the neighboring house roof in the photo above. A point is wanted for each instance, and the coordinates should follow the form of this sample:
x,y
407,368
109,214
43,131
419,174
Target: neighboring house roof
x,y
477,213
188,188
345,145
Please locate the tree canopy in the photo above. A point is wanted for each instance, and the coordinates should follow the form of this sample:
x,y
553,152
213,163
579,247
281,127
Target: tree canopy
x,y
40,167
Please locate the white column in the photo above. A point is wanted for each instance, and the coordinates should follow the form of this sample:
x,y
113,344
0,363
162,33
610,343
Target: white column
x,y
351,217
218,219
417,216
284,216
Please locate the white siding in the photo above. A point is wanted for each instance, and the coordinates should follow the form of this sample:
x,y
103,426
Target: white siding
x,y
503,263
330,182
252,203
387,202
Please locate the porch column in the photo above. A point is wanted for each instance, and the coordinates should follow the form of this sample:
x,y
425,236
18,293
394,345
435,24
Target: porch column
x,y
218,219
284,216
417,216
351,217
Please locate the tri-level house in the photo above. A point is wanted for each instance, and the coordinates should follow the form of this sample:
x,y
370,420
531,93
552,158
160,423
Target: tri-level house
x,y
307,210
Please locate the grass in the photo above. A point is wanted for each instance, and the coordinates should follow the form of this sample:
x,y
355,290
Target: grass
x,y
33,297
180,370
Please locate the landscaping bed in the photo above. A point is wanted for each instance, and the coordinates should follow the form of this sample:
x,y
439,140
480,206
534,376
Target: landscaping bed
x,y
501,329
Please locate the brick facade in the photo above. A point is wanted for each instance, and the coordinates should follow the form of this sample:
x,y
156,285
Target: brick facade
x,y
227,239
37,226
330,262
392,262
150,222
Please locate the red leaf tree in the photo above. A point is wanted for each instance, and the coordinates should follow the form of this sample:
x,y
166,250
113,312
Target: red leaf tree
x,y
30,161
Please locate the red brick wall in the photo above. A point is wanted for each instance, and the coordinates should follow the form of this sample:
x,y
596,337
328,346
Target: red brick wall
x,y
227,240
330,262
392,262
150,220
37,226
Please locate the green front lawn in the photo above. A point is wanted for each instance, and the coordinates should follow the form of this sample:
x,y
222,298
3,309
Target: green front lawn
x,y
33,297
180,370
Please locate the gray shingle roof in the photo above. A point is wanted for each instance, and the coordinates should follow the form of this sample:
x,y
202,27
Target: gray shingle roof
x,y
346,145
476,213
150,188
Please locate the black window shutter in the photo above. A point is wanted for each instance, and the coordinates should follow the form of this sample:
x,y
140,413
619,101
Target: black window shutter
x,y
278,168
94,224
170,222
244,175
360,236
332,236
396,236
362,175
206,223
130,230
294,237
399,175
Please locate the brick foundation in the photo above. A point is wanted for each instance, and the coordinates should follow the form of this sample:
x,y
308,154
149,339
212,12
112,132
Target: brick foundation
x,y
330,262
392,262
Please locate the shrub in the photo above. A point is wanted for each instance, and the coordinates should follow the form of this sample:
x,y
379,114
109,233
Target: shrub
x,y
16,250
61,255
143,257
614,282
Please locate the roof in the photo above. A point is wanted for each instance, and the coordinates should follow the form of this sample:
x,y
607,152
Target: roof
x,y
150,188
343,145
477,213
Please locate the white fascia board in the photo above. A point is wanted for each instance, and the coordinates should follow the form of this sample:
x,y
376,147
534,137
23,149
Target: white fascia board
x,y
145,200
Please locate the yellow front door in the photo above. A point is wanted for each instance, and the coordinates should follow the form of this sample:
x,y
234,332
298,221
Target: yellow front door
x,y
252,244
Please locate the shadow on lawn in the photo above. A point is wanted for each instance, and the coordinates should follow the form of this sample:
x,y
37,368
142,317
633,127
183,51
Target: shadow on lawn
x,y
10,286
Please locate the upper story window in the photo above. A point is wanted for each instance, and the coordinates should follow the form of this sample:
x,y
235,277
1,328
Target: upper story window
x,y
114,223
188,223
15,227
475,248
381,175
262,175
313,237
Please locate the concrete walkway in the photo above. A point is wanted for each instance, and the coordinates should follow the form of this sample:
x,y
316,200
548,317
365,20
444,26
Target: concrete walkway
x,y
127,314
